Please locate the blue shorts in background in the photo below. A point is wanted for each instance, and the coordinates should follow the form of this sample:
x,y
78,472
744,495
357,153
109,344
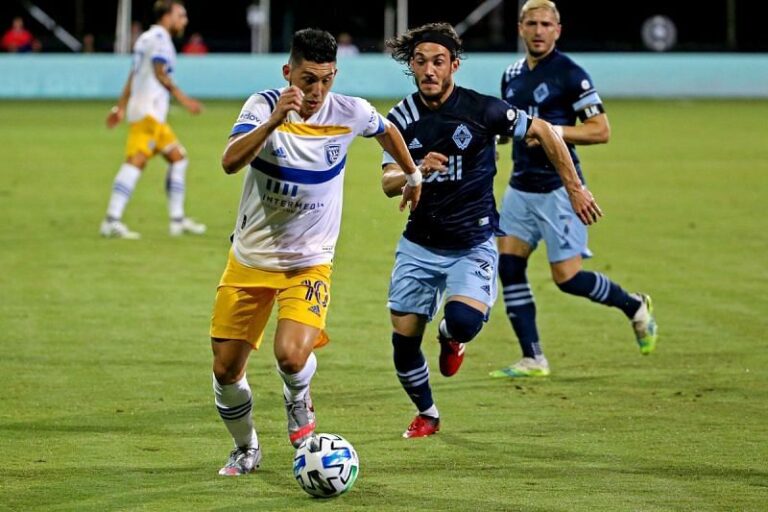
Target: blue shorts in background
x,y
422,277
532,217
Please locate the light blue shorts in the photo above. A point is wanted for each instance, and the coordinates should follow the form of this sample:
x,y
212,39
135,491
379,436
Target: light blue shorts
x,y
533,216
422,276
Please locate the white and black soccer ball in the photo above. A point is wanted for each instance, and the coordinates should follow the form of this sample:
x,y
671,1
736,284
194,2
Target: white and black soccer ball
x,y
326,465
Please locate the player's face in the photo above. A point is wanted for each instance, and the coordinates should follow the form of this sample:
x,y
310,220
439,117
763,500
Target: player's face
x,y
539,30
178,20
315,81
433,70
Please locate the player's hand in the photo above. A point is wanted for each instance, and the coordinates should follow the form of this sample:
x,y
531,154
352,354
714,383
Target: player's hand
x,y
585,206
410,195
433,162
290,99
193,106
114,117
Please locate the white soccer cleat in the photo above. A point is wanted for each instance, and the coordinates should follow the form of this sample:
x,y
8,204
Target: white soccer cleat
x,y
186,225
116,229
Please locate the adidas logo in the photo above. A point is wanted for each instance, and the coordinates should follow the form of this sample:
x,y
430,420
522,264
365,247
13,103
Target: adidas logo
x,y
315,309
415,144
280,152
486,289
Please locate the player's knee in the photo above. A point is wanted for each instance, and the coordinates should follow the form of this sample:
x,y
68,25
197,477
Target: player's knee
x,y
227,372
291,362
463,322
512,269
576,285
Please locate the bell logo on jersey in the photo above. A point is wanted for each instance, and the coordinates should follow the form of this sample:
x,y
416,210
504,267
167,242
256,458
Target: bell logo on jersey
x,y
454,172
332,152
462,137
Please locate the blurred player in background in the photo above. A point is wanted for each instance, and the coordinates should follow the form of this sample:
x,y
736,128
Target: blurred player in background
x,y
550,86
448,249
144,101
295,140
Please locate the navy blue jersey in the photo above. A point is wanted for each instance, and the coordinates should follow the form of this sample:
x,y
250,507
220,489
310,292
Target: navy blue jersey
x,y
557,90
457,209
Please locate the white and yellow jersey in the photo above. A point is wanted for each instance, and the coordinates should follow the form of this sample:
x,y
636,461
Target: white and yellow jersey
x,y
290,210
148,96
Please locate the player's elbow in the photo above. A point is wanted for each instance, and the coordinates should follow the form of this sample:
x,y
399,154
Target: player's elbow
x,y
603,135
389,191
229,164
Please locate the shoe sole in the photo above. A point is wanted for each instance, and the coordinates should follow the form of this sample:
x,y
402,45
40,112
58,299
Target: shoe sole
x,y
499,374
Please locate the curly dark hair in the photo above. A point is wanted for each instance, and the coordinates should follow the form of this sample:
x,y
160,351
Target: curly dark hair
x,y
314,45
402,46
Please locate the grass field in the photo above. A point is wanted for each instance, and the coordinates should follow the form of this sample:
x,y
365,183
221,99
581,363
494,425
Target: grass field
x,y
106,399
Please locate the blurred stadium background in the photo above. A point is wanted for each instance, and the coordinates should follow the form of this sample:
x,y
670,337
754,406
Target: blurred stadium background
x,y
106,401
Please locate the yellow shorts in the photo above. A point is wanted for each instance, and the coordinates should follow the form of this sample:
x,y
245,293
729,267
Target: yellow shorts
x,y
245,296
149,137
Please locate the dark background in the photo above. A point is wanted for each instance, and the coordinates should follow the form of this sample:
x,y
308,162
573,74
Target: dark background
x,y
588,25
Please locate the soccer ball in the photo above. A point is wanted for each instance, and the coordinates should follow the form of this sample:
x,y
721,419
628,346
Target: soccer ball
x,y
325,465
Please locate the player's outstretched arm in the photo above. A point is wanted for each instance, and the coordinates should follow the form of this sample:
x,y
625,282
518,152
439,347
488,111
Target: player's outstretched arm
x,y
392,142
243,148
192,105
117,113
594,130
583,202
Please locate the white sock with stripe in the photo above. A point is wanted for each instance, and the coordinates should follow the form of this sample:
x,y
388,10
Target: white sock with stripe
x,y
175,187
296,385
234,402
122,188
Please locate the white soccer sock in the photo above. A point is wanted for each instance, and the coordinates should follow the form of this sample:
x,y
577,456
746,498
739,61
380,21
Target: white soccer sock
x,y
641,315
442,328
234,402
122,188
297,384
431,412
174,186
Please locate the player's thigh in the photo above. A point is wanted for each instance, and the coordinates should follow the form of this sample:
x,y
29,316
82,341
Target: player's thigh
x,y
512,245
244,300
418,280
517,218
305,295
168,144
564,234
142,138
241,313
473,275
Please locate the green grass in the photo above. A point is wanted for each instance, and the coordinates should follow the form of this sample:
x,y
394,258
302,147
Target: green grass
x,y
105,373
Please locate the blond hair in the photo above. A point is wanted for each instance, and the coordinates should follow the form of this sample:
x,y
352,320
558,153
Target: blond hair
x,y
539,4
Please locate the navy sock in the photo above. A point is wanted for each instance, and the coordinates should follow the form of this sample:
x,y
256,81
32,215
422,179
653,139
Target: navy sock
x,y
412,370
521,309
462,322
598,288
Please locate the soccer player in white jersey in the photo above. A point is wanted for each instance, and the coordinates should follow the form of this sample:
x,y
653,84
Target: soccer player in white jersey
x,y
295,140
144,101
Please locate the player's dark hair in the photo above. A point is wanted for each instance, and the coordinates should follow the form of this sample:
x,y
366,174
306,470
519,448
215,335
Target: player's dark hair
x,y
402,46
163,7
314,45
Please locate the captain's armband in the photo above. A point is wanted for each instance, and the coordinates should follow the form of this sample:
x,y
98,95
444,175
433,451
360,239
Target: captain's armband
x,y
590,111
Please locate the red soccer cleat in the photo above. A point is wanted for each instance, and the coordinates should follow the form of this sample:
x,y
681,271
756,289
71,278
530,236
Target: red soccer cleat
x,y
422,426
451,356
